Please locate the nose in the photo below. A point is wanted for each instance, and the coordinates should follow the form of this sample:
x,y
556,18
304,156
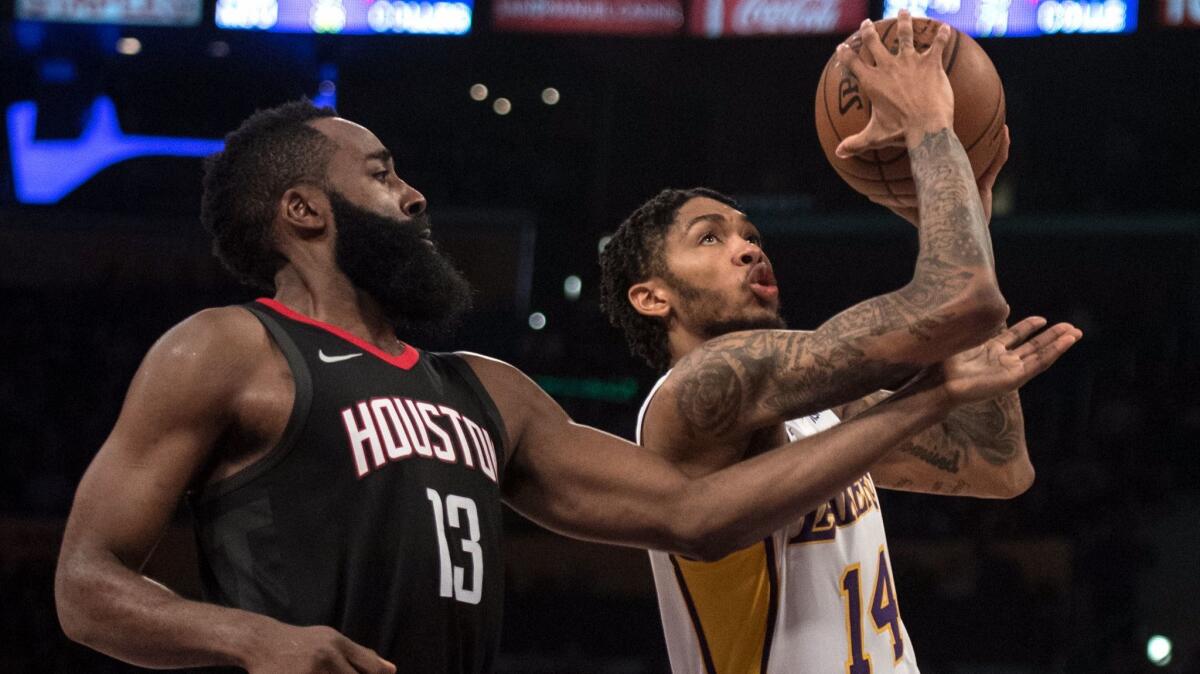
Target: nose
x,y
412,202
748,254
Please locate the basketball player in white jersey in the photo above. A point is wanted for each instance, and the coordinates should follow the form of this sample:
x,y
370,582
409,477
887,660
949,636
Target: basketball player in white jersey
x,y
687,279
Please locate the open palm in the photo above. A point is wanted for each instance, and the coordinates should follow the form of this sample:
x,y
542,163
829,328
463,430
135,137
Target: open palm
x,y
1006,361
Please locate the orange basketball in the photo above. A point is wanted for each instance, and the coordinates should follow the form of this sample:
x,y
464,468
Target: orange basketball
x,y
842,110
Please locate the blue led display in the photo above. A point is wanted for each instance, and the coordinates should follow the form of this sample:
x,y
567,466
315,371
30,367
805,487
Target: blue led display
x,y
364,17
1023,18
121,12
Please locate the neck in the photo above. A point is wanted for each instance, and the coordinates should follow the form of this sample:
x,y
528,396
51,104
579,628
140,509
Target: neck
x,y
331,298
681,342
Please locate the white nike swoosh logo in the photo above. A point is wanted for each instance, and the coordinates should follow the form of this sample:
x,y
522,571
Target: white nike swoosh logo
x,y
335,359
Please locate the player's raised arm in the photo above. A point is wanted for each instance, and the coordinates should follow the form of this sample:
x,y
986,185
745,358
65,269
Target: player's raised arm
x,y
749,380
588,484
180,405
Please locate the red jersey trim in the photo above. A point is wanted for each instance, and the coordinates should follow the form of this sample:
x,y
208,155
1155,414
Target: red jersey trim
x,y
405,360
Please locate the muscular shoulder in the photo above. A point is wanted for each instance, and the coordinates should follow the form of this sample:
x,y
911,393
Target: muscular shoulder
x,y
217,337
512,390
492,371
207,354
668,431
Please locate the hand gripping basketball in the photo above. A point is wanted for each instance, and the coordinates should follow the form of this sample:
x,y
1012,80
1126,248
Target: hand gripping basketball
x,y
909,90
843,107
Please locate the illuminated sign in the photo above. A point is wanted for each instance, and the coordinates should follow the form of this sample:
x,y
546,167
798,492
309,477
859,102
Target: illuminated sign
x,y
131,12
1022,18
1178,13
347,16
612,17
45,171
716,18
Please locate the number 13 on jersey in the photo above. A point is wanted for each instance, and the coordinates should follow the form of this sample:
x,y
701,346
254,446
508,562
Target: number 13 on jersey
x,y
453,578
885,613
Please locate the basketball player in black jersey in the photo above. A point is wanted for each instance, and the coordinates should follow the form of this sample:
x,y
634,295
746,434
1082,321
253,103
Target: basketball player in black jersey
x,y
347,484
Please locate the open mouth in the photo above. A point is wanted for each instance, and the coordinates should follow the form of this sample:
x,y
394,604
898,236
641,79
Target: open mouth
x,y
761,281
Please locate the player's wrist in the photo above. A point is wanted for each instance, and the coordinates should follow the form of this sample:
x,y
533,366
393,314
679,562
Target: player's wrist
x,y
250,639
921,127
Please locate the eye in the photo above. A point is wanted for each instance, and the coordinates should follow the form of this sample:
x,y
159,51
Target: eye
x,y
382,176
709,238
755,239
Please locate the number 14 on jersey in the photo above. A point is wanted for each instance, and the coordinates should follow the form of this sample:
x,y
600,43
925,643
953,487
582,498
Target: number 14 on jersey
x,y
885,613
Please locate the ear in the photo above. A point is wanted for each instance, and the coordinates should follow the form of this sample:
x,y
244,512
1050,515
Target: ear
x,y
305,209
650,298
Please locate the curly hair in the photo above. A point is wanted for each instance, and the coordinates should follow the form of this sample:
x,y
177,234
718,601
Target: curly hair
x,y
272,151
634,254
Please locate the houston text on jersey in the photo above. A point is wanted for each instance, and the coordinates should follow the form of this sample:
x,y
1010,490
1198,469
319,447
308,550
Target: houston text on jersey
x,y
382,430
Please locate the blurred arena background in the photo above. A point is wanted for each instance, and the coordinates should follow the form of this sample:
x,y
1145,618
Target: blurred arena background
x,y
534,127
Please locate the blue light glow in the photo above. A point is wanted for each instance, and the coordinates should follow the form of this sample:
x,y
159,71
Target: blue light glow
x,y
45,171
363,17
1021,18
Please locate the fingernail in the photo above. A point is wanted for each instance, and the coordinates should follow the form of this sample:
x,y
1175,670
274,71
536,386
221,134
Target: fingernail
x,y
865,23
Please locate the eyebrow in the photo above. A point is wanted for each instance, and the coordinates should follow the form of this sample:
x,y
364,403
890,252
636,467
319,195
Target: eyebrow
x,y
715,218
381,154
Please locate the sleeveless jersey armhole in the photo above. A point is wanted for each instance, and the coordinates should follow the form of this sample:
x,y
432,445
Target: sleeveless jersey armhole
x,y
465,371
301,403
641,417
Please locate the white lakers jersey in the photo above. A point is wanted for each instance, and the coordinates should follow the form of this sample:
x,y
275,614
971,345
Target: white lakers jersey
x,y
816,597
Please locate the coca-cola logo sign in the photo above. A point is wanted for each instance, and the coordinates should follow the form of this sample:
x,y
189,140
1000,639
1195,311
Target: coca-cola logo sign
x,y
714,18
785,16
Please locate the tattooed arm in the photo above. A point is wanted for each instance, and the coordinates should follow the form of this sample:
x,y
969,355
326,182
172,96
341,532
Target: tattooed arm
x,y
979,448
744,381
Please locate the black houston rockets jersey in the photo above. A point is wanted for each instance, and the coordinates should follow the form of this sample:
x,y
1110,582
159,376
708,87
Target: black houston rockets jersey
x,y
378,513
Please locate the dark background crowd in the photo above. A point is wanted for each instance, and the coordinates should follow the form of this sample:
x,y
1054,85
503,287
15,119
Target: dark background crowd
x,y
1097,222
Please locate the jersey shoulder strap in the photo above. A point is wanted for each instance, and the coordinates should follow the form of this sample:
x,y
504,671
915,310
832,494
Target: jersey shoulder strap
x,y
641,419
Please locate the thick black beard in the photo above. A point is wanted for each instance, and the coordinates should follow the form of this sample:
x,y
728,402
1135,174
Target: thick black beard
x,y
422,294
703,301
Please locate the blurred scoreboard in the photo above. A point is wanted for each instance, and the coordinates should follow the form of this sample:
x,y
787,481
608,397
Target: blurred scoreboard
x,y
703,18
369,17
1180,13
129,12
1024,18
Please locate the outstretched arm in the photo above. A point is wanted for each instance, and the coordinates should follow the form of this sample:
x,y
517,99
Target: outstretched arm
x,y
744,381
979,449
588,484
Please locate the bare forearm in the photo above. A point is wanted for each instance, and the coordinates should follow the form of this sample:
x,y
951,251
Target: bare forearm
x,y
106,606
979,450
954,280
953,228
740,504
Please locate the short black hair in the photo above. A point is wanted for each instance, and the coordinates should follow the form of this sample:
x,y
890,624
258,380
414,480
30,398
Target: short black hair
x,y
272,151
634,254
